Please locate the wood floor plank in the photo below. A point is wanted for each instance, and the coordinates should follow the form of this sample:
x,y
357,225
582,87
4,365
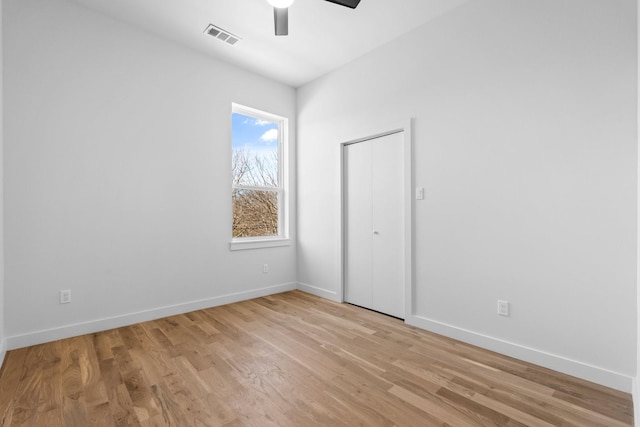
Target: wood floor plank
x,y
290,359
39,388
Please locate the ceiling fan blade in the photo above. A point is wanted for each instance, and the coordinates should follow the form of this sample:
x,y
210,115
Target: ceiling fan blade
x,y
348,3
281,19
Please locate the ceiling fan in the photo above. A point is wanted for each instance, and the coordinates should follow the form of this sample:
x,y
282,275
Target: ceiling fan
x,y
281,12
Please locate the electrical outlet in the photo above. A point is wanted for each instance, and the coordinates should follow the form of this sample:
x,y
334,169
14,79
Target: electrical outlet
x,y
503,308
65,296
265,268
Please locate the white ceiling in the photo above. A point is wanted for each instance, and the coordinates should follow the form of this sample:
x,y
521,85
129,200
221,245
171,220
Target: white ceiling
x,y
322,36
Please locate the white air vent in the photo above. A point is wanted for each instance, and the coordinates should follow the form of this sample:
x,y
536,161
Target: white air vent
x,y
221,34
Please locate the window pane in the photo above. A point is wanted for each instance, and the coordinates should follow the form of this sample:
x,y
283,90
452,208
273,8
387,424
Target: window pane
x,y
255,213
255,151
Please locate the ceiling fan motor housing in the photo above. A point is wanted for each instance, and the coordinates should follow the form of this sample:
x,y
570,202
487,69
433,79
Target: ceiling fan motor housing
x,y
281,13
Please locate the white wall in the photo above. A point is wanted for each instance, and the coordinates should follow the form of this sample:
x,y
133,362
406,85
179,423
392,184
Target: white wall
x,y
525,139
117,175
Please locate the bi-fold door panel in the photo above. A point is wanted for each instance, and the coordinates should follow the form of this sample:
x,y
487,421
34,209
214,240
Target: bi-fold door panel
x,y
359,271
374,224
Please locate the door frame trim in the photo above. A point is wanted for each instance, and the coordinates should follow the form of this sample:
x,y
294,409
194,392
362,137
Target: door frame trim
x,y
408,209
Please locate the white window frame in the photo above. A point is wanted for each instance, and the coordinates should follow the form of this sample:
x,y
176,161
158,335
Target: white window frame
x,y
282,239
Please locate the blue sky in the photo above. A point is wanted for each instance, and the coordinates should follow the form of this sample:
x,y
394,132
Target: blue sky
x,y
254,134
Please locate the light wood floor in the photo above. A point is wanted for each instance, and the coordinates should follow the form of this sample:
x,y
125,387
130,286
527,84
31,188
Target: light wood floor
x,y
291,360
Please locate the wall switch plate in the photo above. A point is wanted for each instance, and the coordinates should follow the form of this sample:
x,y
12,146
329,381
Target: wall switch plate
x,y
503,308
265,268
65,296
419,193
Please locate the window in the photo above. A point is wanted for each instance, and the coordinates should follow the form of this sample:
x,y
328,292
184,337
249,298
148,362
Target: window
x,y
258,178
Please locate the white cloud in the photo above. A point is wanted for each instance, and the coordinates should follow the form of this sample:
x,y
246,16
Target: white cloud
x,y
270,135
256,122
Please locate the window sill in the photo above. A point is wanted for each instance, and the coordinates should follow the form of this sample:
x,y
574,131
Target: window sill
x,y
241,245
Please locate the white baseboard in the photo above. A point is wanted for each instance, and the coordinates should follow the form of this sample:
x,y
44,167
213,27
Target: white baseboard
x,y
322,293
591,373
67,331
595,374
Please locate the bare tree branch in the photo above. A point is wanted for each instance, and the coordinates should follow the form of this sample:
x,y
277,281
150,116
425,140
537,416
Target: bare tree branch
x,y
255,212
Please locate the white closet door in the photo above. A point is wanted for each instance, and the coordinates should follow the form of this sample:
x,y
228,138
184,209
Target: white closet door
x,y
374,224
359,272
388,223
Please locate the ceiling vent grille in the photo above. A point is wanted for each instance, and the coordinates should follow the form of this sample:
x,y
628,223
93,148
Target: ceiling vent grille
x,y
221,34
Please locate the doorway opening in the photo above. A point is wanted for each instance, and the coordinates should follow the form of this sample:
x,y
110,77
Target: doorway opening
x,y
377,222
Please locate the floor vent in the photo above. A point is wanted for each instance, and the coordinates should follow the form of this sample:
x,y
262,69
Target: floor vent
x,y
221,34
